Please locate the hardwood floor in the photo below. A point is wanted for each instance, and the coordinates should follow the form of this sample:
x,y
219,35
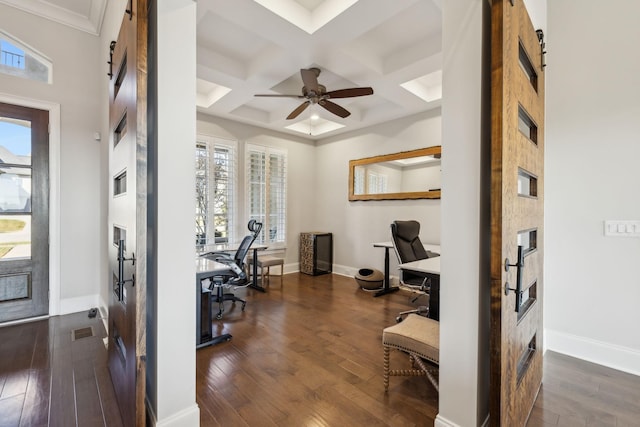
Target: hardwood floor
x,y
578,393
47,379
308,353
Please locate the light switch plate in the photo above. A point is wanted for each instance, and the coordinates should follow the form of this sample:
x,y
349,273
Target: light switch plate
x,y
616,228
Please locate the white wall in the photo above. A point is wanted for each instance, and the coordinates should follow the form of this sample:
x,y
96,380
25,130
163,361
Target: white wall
x,y
171,292
301,173
78,73
317,193
463,362
592,282
356,225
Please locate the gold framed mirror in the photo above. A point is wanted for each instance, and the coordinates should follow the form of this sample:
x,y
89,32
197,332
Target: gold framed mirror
x,y
399,176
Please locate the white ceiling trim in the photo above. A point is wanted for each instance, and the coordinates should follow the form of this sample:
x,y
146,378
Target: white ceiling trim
x,y
90,24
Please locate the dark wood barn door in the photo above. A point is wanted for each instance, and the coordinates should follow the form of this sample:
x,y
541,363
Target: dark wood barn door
x,y
517,217
127,213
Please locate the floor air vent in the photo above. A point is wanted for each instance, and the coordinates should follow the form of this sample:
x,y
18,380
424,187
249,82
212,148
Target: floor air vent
x,y
79,333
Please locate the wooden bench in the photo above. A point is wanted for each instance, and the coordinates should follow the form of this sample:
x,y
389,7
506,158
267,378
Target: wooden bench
x,y
265,263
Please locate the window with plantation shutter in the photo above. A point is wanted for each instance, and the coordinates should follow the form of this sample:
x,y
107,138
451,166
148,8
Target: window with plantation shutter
x,y
377,183
216,169
266,192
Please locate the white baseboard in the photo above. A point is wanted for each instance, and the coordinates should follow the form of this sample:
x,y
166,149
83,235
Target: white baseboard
x,y
344,270
443,422
74,305
606,354
189,417
291,268
103,308
150,412
27,320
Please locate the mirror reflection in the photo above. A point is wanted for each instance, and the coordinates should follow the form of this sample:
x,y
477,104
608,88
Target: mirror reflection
x,y
406,175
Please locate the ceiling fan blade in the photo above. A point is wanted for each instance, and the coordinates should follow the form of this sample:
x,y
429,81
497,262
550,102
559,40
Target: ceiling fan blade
x,y
334,108
295,113
348,93
278,96
310,80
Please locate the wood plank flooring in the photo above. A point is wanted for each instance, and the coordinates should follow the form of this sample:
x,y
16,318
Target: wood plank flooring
x,y
308,353
47,379
579,393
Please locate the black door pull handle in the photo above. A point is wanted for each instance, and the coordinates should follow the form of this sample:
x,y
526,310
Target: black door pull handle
x,y
519,266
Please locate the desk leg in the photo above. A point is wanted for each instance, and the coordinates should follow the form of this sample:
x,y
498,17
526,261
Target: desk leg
x,y
254,282
387,289
204,331
434,298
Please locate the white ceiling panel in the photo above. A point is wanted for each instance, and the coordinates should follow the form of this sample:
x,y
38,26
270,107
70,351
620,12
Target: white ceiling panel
x,y
248,47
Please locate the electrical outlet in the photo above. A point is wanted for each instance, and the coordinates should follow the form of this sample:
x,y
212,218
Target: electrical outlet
x,y
613,228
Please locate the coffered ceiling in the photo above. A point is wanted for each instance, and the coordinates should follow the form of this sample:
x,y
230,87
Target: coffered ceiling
x,y
248,47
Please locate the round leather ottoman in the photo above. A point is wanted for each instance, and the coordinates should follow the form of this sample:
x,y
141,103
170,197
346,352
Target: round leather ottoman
x,y
369,278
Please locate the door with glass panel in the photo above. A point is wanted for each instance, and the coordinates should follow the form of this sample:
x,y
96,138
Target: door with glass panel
x,y
127,219
24,212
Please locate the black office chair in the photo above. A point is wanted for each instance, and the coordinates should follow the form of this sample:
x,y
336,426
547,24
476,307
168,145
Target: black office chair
x,y
408,247
235,276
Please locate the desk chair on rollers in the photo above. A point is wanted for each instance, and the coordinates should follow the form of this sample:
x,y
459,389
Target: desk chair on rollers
x,y
405,236
235,276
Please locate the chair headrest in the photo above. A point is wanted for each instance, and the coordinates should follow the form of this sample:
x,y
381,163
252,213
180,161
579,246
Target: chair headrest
x,y
254,227
407,230
406,240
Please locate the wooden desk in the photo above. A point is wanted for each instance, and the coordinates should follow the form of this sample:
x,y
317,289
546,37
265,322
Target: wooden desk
x,y
204,334
387,288
430,268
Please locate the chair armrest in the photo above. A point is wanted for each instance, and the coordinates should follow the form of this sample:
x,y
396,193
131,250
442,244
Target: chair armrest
x,y
422,310
218,256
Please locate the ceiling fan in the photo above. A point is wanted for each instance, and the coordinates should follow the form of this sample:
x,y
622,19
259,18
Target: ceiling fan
x,y
316,93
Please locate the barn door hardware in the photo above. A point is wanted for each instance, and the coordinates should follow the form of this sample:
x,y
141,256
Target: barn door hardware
x,y
518,289
121,261
543,52
112,47
129,10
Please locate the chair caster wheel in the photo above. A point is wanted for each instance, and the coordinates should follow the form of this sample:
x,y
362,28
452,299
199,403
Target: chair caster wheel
x,y
398,319
219,316
243,305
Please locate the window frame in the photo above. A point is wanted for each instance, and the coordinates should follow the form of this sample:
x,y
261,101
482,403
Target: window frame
x,y
266,217
211,143
29,54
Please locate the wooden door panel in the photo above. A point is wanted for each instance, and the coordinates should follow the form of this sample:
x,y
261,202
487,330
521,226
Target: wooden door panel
x,y
517,132
127,214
